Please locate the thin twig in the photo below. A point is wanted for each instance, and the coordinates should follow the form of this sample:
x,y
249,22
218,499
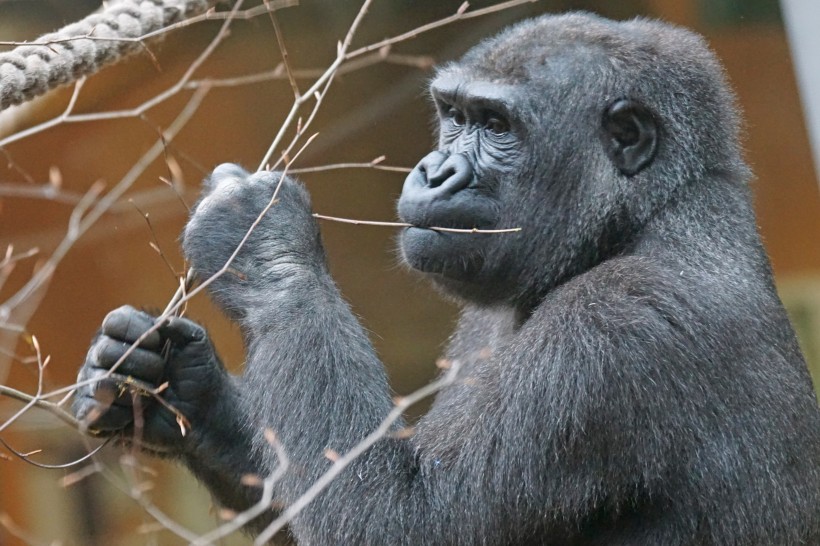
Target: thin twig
x,y
460,15
285,60
260,507
41,403
338,166
422,62
209,15
323,81
104,204
26,457
40,191
33,400
155,243
406,225
10,260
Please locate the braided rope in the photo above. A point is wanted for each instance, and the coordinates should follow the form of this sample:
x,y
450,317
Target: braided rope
x,y
31,70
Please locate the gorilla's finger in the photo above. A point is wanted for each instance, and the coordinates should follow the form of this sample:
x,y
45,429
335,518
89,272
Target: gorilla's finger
x,y
141,364
128,324
182,331
100,416
99,405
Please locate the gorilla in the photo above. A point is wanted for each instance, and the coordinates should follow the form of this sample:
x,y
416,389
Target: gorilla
x,y
627,374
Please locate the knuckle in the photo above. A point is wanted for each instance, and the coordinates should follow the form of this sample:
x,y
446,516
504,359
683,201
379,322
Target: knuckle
x,y
83,407
195,331
183,331
227,170
113,318
95,353
119,319
108,350
85,373
269,178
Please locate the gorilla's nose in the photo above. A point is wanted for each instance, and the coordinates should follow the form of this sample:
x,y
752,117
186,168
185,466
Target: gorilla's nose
x,y
432,189
452,174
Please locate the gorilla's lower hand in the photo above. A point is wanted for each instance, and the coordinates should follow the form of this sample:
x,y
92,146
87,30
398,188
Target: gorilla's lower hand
x,y
176,361
283,246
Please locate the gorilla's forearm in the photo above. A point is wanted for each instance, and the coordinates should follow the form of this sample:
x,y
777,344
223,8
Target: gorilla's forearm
x,y
327,388
222,453
320,365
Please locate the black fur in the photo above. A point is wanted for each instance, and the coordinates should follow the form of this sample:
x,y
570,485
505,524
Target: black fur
x,y
628,374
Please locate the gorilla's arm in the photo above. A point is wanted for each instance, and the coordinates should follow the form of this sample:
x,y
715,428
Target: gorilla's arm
x,y
522,440
548,428
528,432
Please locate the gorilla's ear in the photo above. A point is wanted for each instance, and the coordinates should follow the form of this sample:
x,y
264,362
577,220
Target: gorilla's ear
x,y
630,135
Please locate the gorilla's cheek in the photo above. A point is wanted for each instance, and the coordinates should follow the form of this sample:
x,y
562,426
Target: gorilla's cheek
x,y
451,254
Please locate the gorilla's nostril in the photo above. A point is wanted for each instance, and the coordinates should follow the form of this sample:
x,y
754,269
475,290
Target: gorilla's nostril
x,y
454,174
440,175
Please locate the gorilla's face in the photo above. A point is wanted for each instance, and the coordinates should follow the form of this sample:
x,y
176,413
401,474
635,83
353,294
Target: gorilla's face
x,y
547,155
460,185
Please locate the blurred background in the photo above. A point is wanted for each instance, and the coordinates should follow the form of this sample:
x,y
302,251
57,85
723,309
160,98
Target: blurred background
x,y
374,111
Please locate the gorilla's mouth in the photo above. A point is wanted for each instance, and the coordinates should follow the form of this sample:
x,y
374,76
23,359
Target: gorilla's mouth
x,y
454,255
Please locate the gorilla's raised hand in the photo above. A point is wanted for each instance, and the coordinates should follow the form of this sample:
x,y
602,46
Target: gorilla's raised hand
x,y
177,355
284,246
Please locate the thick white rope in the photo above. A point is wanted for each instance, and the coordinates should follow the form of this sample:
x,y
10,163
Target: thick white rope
x,y
31,70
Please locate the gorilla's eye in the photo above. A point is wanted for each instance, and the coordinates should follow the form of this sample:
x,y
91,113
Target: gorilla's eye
x,y
498,126
456,116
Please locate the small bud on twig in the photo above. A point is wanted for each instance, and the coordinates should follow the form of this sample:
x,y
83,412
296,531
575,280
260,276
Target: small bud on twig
x,y
332,455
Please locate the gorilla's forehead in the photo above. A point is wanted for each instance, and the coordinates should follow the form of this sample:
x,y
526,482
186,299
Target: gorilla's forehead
x,y
520,53
454,87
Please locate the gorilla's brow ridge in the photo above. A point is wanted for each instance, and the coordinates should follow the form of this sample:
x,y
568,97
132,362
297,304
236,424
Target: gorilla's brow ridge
x,y
479,94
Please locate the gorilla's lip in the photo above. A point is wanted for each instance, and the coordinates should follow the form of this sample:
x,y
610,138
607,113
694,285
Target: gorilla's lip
x,y
448,229
446,253
413,229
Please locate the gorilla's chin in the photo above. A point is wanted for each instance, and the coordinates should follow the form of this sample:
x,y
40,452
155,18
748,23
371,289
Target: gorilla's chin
x,y
451,255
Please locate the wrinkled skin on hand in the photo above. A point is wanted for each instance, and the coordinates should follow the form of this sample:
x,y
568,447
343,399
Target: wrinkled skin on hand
x,y
178,354
284,243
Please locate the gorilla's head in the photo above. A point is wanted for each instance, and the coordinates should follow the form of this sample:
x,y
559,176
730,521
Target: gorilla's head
x,y
576,129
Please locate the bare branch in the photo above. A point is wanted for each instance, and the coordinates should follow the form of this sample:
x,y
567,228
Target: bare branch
x,y
336,166
260,507
26,457
406,225
460,15
35,401
210,15
322,83
283,50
